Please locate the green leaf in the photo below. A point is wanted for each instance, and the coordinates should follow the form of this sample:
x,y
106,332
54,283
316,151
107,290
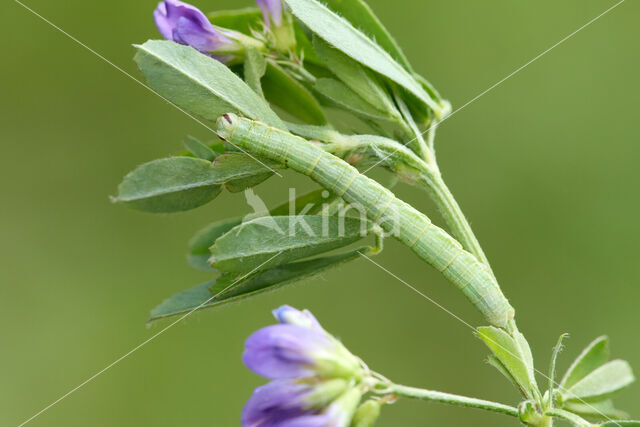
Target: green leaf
x,y
514,355
243,20
240,171
307,204
238,185
254,68
198,256
181,183
285,92
601,382
262,282
601,410
341,34
496,363
199,83
169,185
356,77
199,149
595,355
360,15
339,93
269,241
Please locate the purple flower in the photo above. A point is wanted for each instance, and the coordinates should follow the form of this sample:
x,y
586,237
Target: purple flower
x,y
291,402
271,11
317,382
293,351
186,24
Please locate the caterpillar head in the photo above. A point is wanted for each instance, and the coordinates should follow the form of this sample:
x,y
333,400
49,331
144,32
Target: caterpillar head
x,y
225,125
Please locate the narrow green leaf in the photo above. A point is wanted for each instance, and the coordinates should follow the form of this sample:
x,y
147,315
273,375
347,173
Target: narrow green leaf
x,y
254,68
356,77
554,359
269,241
341,34
243,20
600,410
360,15
595,355
199,149
169,185
513,355
601,382
496,363
198,256
285,92
199,83
262,282
339,93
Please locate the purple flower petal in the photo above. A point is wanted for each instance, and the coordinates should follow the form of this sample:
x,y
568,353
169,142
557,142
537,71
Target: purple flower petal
x,y
275,402
271,9
186,24
285,351
162,21
289,315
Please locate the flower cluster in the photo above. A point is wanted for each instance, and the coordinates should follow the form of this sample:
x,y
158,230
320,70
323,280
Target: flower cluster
x,y
316,381
186,24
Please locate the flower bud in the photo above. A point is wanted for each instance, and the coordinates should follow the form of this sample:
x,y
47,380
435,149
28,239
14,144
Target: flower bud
x,y
292,316
279,24
366,414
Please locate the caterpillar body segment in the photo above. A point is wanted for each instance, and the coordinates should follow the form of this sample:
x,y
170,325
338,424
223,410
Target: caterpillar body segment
x,y
413,228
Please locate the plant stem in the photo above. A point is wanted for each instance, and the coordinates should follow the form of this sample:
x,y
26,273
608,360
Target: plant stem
x,y
453,399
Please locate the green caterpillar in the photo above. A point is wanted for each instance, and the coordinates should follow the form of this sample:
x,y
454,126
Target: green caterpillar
x,y
408,225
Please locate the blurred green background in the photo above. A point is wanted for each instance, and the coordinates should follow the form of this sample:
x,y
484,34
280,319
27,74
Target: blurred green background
x,y
545,166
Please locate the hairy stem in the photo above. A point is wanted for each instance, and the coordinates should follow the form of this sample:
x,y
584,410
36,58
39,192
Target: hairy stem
x,y
453,399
